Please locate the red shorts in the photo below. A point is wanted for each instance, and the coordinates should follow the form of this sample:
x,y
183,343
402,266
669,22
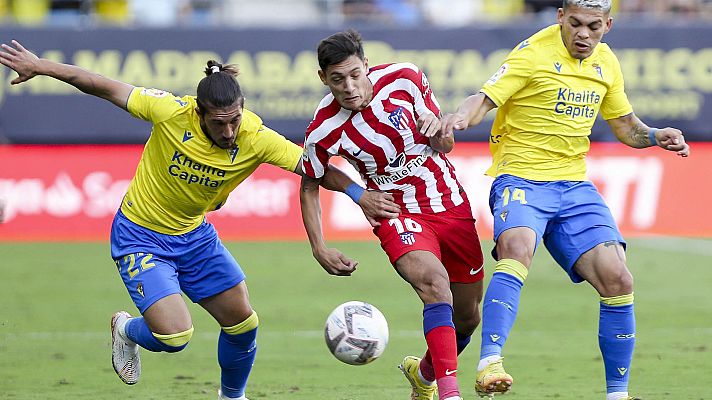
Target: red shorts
x,y
450,235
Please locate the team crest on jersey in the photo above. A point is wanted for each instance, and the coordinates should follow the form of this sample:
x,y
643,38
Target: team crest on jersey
x,y
407,238
233,153
187,136
598,69
398,119
154,93
498,75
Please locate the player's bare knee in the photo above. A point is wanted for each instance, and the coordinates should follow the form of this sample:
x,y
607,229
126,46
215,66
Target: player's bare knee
x,y
434,289
617,282
516,248
625,281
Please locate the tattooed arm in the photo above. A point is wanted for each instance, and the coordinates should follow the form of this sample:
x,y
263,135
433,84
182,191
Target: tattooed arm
x,y
631,131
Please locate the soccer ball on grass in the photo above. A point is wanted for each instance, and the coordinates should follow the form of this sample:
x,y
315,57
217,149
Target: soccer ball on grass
x,y
356,333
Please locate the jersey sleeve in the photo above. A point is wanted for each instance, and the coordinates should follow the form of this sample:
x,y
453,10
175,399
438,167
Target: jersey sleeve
x,y
615,104
275,149
429,102
154,105
316,156
512,76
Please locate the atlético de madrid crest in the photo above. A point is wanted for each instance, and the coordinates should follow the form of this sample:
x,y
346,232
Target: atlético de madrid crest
x,y
407,238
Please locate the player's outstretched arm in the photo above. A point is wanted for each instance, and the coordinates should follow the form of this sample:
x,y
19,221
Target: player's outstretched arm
x,y
332,260
630,130
470,113
374,204
27,65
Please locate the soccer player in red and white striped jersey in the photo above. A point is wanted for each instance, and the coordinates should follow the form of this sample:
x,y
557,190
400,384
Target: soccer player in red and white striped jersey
x,y
384,121
382,142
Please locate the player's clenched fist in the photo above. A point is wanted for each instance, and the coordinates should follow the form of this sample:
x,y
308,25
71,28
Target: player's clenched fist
x,y
672,139
335,262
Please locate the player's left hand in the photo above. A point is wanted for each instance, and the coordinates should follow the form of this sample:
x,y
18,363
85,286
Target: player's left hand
x,y
428,124
672,139
377,205
21,60
335,262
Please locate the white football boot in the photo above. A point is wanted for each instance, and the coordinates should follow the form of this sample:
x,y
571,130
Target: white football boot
x,y
124,353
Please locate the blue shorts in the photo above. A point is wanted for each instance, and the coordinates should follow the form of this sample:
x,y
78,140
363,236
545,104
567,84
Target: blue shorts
x,y
570,216
154,265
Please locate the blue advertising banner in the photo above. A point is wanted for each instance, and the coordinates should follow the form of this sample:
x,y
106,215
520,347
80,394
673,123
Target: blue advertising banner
x,y
668,74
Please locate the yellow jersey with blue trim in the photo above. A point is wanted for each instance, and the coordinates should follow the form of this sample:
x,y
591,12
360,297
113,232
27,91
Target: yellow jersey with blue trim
x,y
182,174
548,102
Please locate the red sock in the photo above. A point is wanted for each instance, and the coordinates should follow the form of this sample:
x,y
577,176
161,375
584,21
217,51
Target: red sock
x,y
426,367
442,347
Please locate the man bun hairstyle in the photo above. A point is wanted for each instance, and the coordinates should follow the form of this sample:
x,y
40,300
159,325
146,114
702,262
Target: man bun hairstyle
x,y
338,47
604,5
219,88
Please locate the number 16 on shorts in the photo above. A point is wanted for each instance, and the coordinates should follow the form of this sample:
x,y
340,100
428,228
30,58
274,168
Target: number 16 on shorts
x,y
405,229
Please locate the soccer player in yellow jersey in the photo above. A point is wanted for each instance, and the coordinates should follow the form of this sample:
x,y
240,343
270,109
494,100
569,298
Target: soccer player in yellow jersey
x,y
548,93
199,150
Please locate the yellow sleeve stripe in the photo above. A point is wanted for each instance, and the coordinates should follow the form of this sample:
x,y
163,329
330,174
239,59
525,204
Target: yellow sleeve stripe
x,y
176,339
245,326
512,267
623,300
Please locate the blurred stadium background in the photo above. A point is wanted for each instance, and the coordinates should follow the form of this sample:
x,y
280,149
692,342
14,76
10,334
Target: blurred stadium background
x,y
66,160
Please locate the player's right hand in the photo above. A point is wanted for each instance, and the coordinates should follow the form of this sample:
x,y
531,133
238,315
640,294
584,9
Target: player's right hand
x,y
451,122
377,205
335,262
21,60
672,139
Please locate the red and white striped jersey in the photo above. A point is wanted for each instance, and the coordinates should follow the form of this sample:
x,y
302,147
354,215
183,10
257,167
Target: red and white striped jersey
x,y
383,143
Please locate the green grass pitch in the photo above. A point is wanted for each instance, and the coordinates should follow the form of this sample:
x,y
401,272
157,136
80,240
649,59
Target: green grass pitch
x,y
56,301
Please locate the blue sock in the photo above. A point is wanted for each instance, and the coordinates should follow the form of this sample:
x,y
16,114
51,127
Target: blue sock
x,y
437,314
462,341
137,330
500,305
236,355
616,339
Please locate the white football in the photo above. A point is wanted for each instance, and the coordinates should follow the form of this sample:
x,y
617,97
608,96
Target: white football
x,y
356,333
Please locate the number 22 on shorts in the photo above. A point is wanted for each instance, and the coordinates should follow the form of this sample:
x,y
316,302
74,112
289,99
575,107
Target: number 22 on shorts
x,y
516,195
136,263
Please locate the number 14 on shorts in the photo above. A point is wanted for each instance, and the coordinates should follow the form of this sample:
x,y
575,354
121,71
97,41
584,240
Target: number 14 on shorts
x,y
515,195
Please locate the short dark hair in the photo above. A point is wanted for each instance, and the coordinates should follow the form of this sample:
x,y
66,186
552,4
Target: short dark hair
x,y
220,87
603,5
338,47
